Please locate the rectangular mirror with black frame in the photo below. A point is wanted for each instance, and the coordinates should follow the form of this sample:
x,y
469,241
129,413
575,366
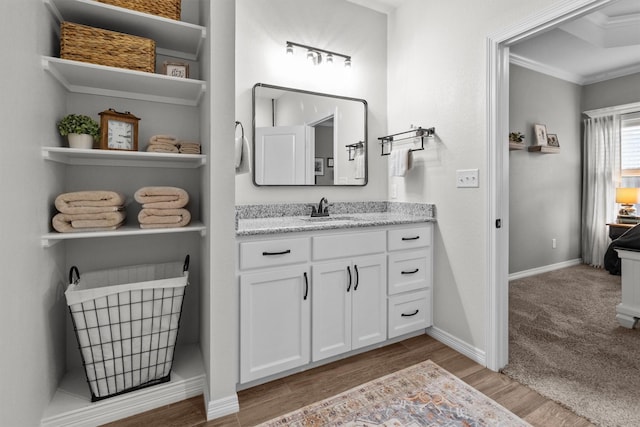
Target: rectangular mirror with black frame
x,y
308,138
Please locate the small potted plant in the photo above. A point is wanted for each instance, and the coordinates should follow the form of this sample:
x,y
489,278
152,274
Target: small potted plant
x,y
516,137
80,130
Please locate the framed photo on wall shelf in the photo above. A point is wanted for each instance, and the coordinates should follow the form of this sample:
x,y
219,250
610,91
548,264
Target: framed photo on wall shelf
x,y
176,69
329,162
541,134
318,166
552,140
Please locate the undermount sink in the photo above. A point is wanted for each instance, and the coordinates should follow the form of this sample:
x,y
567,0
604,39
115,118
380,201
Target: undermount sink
x,y
330,218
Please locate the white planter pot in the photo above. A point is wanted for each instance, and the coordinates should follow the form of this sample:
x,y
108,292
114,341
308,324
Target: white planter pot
x,y
78,140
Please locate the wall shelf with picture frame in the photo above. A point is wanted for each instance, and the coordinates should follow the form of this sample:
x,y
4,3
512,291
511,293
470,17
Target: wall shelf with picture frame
x,y
546,143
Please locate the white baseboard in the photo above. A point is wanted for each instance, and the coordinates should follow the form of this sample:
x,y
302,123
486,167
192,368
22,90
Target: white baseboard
x,y
544,269
221,407
458,345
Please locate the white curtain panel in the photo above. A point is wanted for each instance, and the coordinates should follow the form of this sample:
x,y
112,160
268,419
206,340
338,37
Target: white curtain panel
x,y
601,173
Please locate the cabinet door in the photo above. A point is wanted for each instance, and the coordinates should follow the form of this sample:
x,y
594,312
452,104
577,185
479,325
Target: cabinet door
x,y
369,301
331,289
274,322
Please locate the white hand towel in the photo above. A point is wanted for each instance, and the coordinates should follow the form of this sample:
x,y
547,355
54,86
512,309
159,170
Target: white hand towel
x,y
245,158
359,159
238,150
400,161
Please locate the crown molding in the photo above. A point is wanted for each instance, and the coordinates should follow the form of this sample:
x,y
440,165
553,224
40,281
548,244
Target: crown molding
x,y
545,69
572,77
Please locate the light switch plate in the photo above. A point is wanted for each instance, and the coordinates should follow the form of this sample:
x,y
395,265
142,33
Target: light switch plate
x,y
467,178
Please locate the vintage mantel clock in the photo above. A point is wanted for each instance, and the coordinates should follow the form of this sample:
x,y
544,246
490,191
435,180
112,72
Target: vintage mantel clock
x,y
118,131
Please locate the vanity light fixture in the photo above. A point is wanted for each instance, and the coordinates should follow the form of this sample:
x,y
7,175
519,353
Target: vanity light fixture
x,y
314,54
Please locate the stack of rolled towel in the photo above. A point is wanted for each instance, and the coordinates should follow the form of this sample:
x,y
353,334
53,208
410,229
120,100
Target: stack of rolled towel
x,y
163,144
171,144
189,147
163,207
89,211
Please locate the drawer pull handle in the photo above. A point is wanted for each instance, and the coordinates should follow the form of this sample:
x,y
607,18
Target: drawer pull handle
x,y
411,238
355,267
409,315
349,271
306,286
288,251
410,272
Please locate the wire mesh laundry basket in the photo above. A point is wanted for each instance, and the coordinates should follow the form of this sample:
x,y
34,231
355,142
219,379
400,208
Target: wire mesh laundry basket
x,y
126,322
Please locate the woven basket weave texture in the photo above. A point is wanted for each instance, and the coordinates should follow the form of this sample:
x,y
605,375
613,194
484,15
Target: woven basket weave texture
x,y
165,8
103,47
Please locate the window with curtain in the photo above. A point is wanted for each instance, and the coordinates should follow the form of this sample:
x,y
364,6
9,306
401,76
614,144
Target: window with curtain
x,y
630,151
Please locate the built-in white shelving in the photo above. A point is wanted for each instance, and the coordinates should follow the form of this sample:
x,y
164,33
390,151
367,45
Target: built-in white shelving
x,y
50,239
71,405
173,38
91,157
93,79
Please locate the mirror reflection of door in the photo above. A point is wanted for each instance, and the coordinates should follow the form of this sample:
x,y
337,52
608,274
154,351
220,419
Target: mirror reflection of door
x,y
324,131
284,155
335,123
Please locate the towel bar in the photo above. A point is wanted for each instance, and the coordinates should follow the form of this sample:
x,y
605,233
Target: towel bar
x,y
419,132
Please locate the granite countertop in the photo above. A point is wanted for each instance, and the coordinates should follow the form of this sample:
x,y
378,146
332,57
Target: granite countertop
x,y
341,219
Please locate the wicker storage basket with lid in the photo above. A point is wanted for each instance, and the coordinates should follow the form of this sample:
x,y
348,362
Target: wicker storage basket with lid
x,y
165,8
103,47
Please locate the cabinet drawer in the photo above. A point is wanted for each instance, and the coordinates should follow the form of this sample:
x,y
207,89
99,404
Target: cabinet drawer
x,y
409,313
408,271
410,238
268,253
348,245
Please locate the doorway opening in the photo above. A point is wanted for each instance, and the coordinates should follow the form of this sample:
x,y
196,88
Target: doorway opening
x,y
496,326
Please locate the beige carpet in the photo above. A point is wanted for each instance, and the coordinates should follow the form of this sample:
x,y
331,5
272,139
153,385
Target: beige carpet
x,y
421,395
565,343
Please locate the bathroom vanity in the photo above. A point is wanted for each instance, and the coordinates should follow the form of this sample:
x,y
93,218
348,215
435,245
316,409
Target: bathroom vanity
x,y
316,289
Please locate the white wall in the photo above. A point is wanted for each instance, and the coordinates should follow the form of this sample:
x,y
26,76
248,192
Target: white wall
x,y
437,77
32,307
221,307
262,29
544,189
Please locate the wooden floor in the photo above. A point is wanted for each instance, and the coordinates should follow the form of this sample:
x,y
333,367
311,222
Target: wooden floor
x,y
267,401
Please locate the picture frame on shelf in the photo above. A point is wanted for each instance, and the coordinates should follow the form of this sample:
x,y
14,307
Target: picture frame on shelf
x,y
176,69
552,140
318,166
540,131
329,162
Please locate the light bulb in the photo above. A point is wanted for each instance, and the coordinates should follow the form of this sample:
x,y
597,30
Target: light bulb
x,y
289,50
347,63
329,59
310,56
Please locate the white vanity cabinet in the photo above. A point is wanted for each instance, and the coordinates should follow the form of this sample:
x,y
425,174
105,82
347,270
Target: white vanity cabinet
x,y
348,305
309,296
275,309
410,282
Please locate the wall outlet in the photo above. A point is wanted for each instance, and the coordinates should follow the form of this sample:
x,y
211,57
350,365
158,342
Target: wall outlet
x,y
553,243
467,178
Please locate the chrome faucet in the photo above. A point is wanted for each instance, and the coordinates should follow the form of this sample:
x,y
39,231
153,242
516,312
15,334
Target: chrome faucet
x,y
321,211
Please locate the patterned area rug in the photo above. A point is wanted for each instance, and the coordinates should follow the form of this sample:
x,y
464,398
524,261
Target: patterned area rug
x,y
421,395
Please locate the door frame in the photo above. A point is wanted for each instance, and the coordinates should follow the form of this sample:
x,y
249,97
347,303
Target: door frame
x,y
497,291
